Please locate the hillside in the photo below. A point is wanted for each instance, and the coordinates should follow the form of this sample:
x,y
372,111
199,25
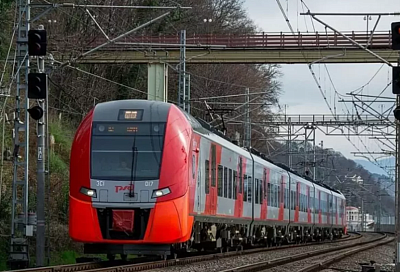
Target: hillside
x,y
381,172
381,167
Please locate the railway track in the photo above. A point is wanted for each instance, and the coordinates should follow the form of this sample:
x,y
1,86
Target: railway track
x,y
311,261
140,264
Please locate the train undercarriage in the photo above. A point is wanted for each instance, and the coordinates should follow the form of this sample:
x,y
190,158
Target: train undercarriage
x,y
211,236
223,237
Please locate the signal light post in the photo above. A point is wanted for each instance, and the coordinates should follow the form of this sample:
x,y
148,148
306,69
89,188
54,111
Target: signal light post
x,y
37,89
395,29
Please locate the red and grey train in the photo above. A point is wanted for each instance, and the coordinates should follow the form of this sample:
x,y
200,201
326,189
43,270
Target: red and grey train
x,y
148,178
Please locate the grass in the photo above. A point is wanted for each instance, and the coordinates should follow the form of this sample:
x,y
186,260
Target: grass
x,y
64,257
3,261
63,134
69,257
57,165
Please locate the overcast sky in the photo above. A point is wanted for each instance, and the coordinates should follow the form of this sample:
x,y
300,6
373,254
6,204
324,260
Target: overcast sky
x,y
300,92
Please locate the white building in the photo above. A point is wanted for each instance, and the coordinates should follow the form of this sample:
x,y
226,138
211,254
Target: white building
x,y
353,218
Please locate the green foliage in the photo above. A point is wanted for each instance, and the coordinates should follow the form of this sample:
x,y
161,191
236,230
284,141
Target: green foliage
x,y
63,257
57,165
3,253
63,134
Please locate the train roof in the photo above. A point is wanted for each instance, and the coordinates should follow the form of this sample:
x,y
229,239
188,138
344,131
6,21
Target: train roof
x,y
204,128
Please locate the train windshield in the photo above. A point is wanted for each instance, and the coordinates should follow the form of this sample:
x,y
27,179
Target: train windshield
x,y
126,151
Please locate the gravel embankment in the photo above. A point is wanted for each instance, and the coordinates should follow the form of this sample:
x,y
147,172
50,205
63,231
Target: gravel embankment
x,y
383,255
218,265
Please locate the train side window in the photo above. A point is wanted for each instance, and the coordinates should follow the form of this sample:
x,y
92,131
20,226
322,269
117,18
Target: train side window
x,y
279,194
213,164
234,184
245,184
269,194
288,197
249,189
256,191
230,183
292,200
225,182
207,176
220,189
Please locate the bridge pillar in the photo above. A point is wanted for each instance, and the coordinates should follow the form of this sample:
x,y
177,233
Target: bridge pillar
x,y
157,82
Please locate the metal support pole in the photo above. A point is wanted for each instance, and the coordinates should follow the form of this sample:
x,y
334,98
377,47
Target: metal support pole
x,y
247,121
323,159
362,214
41,175
19,256
397,191
182,72
314,157
379,212
290,143
187,93
305,150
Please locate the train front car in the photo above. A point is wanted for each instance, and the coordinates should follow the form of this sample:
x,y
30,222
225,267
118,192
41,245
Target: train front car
x,y
129,179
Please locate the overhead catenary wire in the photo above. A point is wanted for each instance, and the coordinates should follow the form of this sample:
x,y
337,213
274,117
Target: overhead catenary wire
x,y
316,80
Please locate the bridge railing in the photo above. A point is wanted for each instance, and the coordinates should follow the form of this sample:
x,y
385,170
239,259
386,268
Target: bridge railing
x,y
271,40
333,119
258,40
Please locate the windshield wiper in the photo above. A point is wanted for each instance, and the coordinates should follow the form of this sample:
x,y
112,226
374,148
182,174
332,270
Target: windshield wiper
x,y
133,167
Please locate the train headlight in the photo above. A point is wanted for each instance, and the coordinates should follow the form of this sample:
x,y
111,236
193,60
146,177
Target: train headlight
x,y
88,192
160,192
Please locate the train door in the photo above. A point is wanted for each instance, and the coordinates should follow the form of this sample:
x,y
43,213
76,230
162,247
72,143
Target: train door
x,y
213,188
264,207
328,214
240,188
198,162
281,194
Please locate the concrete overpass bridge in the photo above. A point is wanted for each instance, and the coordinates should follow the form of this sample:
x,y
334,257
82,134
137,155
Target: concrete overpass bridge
x,y
261,48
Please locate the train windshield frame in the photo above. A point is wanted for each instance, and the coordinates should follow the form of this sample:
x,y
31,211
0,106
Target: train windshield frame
x,y
125,151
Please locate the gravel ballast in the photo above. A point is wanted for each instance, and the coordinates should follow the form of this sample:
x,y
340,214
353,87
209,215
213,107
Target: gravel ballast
x,y
226,263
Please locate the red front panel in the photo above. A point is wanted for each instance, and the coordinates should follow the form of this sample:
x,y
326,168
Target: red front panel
x,y
168,223
80,159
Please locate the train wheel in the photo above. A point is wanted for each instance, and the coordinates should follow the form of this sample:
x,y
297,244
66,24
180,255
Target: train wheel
x,y
111,257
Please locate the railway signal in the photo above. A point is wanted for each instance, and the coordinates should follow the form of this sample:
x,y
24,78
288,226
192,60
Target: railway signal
x,y
37,42
37,85
396,35
36,112
37,89
397,113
